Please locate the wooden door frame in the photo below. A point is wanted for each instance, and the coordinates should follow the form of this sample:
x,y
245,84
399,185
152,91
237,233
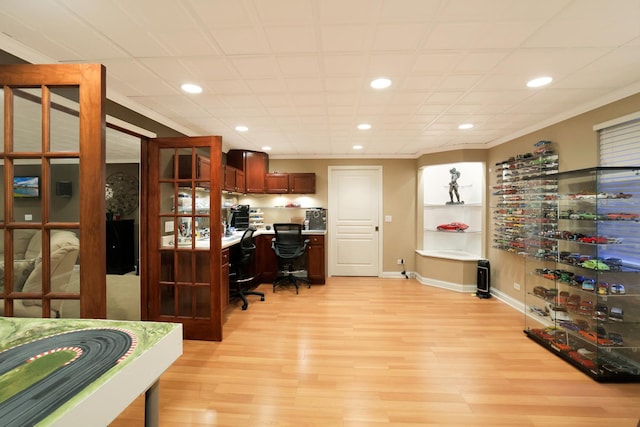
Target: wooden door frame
x,y
91,82
150,233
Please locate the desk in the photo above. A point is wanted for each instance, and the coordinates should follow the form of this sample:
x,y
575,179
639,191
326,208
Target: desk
x,y
110,363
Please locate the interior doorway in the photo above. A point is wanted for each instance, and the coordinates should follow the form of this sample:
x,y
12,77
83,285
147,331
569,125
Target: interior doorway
x,y
355,204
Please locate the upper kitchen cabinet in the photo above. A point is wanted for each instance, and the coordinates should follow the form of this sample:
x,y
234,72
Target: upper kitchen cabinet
x,y
302,183
203,168
290,183
232,179
254,165
276,183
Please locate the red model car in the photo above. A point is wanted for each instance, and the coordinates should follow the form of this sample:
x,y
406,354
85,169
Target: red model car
x,y
594,239
623,215
453,226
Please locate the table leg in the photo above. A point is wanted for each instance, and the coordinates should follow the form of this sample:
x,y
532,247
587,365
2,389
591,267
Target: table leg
x,y
152,406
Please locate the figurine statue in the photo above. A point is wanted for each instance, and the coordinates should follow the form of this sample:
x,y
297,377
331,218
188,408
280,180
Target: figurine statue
x,y
453,186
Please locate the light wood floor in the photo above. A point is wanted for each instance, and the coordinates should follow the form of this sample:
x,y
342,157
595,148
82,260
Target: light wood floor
x,y
380,352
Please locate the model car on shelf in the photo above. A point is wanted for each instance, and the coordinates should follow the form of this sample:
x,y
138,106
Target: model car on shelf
x,y
538,311
558,313
617,288
595,264
579,358
601,312
603,288
616,338
593,337
573,302
586,308
452,226
594,239
616,314
545,293
588,285
623,216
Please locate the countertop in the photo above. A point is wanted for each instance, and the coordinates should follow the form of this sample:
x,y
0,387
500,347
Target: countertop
x,y
237,236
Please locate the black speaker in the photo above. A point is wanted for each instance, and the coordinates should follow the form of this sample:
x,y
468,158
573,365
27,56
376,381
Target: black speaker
x,y
484,282
64,188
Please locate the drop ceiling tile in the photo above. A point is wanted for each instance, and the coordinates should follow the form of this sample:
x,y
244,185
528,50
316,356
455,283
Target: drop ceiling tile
x,y
454,35
285,11
187,42
221,13
292,39
262,86
305,84
344,65
343,38
241,41
256,66
480,62
299,66
399,37
353,11
408,10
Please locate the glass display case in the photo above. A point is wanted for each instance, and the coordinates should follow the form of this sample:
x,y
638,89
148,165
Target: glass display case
x,y
583,274
516,210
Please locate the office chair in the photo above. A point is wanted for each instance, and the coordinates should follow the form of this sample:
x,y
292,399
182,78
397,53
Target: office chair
x,y
289,247
241,277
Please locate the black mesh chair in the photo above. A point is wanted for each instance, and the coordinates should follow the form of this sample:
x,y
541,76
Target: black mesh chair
x,y
290,249
241,276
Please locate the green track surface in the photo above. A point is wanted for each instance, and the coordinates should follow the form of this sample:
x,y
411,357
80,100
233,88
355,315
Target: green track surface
x,y
24,376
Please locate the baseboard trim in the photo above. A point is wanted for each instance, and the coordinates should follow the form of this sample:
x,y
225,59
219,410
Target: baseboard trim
x,y
456,287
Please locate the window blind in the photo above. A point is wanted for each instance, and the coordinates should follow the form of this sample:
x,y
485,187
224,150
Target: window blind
x,y
620,146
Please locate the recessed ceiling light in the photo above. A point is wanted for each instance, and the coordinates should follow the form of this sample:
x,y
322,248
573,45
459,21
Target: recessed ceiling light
x,y
364,126
266,148
191,88
357,147
539,82
242,128
465,126
381,83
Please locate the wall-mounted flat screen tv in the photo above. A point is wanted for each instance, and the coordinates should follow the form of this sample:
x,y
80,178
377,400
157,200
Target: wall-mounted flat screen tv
x,y
25,187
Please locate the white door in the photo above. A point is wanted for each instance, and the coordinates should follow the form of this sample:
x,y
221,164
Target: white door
x,y
354,220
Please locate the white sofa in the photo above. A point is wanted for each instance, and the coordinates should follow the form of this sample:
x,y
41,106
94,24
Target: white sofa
x,y
28,268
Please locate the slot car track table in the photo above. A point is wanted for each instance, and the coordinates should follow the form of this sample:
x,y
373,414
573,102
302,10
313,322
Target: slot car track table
x,y
100,368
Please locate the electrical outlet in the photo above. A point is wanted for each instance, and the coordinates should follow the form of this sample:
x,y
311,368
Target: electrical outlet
x,y
516,286
399,261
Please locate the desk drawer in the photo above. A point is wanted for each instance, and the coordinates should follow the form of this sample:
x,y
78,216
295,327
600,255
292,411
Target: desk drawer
x,y
225,257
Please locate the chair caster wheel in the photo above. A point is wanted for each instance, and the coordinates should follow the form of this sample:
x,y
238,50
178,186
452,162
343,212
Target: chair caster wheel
x,y
262,299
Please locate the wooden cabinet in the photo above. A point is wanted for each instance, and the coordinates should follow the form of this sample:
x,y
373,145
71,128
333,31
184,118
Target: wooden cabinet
x,y
233,179
291,183
302,183
267,263
203,168
315,259
276,183
254,165
224,279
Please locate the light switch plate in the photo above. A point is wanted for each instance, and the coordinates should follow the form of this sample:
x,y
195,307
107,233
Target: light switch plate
x,y
388,218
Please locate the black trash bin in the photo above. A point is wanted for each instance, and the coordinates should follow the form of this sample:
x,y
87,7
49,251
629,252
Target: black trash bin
x,y
484,282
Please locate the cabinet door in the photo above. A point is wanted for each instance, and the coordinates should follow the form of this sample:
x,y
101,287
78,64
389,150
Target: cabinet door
x,y
315,259
266,258
276,183
229,183
302,183
240,181
255,168
224,279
